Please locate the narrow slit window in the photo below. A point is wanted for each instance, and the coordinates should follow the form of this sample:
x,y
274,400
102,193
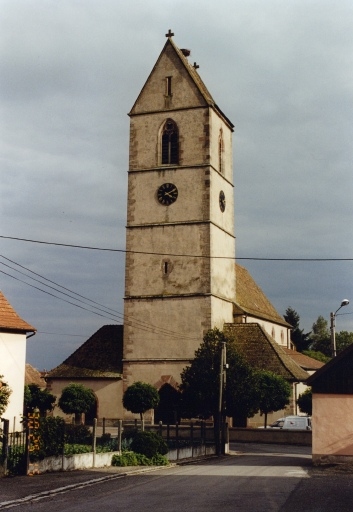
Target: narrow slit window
x,y
169,85
220,151
170,143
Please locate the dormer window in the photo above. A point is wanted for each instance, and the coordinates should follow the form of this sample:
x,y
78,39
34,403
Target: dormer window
x,y
170,143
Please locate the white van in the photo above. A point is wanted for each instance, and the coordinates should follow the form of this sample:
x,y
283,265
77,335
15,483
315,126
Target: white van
x,y
293,423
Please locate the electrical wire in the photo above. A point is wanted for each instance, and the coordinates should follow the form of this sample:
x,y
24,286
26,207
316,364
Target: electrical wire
x,y
120,317
170,254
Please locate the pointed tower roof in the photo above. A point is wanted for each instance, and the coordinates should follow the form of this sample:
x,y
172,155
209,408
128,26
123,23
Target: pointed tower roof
x,y
171,50
10,320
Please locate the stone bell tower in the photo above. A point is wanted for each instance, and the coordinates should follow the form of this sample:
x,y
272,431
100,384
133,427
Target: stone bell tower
x,y
180,272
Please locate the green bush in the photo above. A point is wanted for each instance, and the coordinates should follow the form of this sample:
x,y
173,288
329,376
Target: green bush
x,y
106,443
138,459
149,444
73,449
16,462
78,434
51,436
160,460
125,459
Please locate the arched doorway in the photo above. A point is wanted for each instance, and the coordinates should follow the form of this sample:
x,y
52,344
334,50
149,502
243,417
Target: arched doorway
x,y
168,408
92,413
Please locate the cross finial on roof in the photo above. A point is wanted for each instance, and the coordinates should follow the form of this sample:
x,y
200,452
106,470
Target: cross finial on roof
x,y
196,66
169,34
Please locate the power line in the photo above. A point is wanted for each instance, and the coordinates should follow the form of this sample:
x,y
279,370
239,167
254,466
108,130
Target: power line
x,y
125,251
63,334
120,317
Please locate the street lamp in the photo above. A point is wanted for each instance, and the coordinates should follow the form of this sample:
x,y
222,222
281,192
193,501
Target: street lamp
x,y
345,302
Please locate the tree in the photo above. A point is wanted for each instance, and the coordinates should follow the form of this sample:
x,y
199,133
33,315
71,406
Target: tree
x,y
298,338
320,338
273,392
201,382
76,399
37,398
343,340
305,402
5,392
139,398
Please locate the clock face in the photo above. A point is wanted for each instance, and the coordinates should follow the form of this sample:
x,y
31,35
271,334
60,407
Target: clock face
x,y
222,201
167,194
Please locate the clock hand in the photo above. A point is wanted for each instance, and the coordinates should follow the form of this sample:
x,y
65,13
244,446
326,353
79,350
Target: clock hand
x,y
170,192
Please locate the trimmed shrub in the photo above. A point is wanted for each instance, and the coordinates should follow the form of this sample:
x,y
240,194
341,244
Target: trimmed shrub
x,y
149,444
78,434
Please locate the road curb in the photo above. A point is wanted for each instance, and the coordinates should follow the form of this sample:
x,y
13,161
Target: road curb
x,y
79,485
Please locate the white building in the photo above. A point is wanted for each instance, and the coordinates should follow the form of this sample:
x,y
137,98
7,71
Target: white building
x,y
13,335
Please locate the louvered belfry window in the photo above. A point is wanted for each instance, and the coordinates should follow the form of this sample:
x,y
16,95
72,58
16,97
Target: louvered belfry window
x,y
170,143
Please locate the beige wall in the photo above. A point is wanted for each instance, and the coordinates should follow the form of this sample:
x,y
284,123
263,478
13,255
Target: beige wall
x,y
108,393
279,333
332,422
184,92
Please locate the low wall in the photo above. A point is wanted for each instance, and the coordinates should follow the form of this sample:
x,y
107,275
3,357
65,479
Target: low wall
x,y
71,462
101,460
270,436
188,452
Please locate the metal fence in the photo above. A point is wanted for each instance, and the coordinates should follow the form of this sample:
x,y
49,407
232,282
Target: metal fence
x,y
14,450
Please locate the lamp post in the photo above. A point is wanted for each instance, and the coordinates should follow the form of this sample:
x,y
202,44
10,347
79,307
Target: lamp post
x,y
345,302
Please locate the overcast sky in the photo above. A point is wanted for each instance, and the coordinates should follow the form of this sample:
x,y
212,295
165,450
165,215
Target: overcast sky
x,y
70,71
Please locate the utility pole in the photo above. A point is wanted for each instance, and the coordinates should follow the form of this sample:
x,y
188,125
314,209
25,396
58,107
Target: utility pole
x,y
221,409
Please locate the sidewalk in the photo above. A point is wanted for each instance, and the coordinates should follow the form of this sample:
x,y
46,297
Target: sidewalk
x,y
22,488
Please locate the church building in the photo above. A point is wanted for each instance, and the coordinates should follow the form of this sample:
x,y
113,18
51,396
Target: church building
x,y
181,278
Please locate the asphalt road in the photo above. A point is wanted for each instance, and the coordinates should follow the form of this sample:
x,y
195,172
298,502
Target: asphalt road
x,y
255,478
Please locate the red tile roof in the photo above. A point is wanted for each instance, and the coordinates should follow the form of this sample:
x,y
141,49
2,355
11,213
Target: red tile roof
x,y
251,300
10,320
263,353
306,362
99,357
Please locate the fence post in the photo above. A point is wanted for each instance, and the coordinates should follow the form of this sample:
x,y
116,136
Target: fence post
x,y
103,426
94,441
177,438
5,443
160,429
120,432
192,438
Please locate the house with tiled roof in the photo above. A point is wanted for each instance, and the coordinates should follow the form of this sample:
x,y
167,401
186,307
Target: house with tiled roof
x,y
97,364
13,335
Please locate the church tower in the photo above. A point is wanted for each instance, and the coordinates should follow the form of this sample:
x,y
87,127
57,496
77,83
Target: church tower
x,y
180,271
